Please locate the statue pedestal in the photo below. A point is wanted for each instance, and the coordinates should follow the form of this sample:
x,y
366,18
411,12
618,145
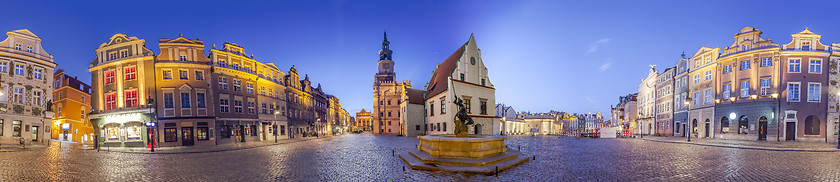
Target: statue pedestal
x,y
475,154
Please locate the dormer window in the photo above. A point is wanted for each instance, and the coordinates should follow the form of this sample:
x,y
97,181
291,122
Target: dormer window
x,y
123,53
29,49
806,45
112,56
745,47
17,47
182,58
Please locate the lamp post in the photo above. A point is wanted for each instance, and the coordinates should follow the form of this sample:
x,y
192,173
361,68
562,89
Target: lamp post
x,y
639,125
688,107
778,119
276,112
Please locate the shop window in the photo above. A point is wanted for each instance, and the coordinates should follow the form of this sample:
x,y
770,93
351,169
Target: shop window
x,y
202,133
724,125
253,130
112,132
170,134
133,131
16,129
743,125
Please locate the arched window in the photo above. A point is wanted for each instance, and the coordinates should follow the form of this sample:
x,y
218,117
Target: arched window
x,y
812,125
724,124
743,125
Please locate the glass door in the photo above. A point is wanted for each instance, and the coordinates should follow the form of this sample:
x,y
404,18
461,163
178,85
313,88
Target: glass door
x,y
34,133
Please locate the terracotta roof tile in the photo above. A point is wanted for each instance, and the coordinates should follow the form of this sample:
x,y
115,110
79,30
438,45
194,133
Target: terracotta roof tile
x,y
438,83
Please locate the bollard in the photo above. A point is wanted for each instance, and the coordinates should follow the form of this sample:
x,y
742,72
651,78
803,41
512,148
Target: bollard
x,y
519,147
392,152
535,157
497,171
403,168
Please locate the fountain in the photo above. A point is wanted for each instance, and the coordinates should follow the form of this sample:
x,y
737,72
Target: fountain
x,y
462,152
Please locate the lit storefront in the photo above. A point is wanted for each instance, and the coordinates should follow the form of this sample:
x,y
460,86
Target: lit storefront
x,y
123,130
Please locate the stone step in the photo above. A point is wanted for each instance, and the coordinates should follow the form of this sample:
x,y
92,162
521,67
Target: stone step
x,y
426,158
417,164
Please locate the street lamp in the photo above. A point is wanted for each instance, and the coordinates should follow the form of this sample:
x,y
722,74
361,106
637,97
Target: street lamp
x,y
276,112
688,107
151,134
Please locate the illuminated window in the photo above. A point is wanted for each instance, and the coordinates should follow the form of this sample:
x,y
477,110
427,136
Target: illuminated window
x,y
793,65
793,91
112,132
17,95
202,133
167,74
36,98
130,73
184,74
110,101
110,77
132,132
170,134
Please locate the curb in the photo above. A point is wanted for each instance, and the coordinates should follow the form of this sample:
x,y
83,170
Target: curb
x,y
210,151
748,147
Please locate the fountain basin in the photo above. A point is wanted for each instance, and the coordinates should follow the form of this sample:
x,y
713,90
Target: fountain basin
x,y
474,146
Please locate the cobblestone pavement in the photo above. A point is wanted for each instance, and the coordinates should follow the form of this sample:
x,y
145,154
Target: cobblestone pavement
x,y
757,145
367,157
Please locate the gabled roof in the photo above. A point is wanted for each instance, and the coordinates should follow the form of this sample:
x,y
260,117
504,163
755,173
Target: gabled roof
x,y
439,82
415,96
180,40
24,32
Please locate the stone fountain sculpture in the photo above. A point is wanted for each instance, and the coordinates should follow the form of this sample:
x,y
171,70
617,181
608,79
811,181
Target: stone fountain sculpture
x,y
462,152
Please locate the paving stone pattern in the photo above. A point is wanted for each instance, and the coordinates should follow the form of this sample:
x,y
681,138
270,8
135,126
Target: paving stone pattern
x,y
367,157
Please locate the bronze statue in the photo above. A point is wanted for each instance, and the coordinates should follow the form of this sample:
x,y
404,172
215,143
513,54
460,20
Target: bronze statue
x,y
462,119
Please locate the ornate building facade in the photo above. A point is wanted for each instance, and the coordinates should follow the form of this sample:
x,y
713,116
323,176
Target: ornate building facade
x,y
386,93
26,84
184,91
464,75
122,82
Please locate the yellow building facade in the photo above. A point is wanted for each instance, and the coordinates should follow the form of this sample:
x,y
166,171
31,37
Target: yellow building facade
x,y
71,103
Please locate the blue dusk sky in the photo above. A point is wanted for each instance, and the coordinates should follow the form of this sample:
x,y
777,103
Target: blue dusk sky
x,y
574,56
